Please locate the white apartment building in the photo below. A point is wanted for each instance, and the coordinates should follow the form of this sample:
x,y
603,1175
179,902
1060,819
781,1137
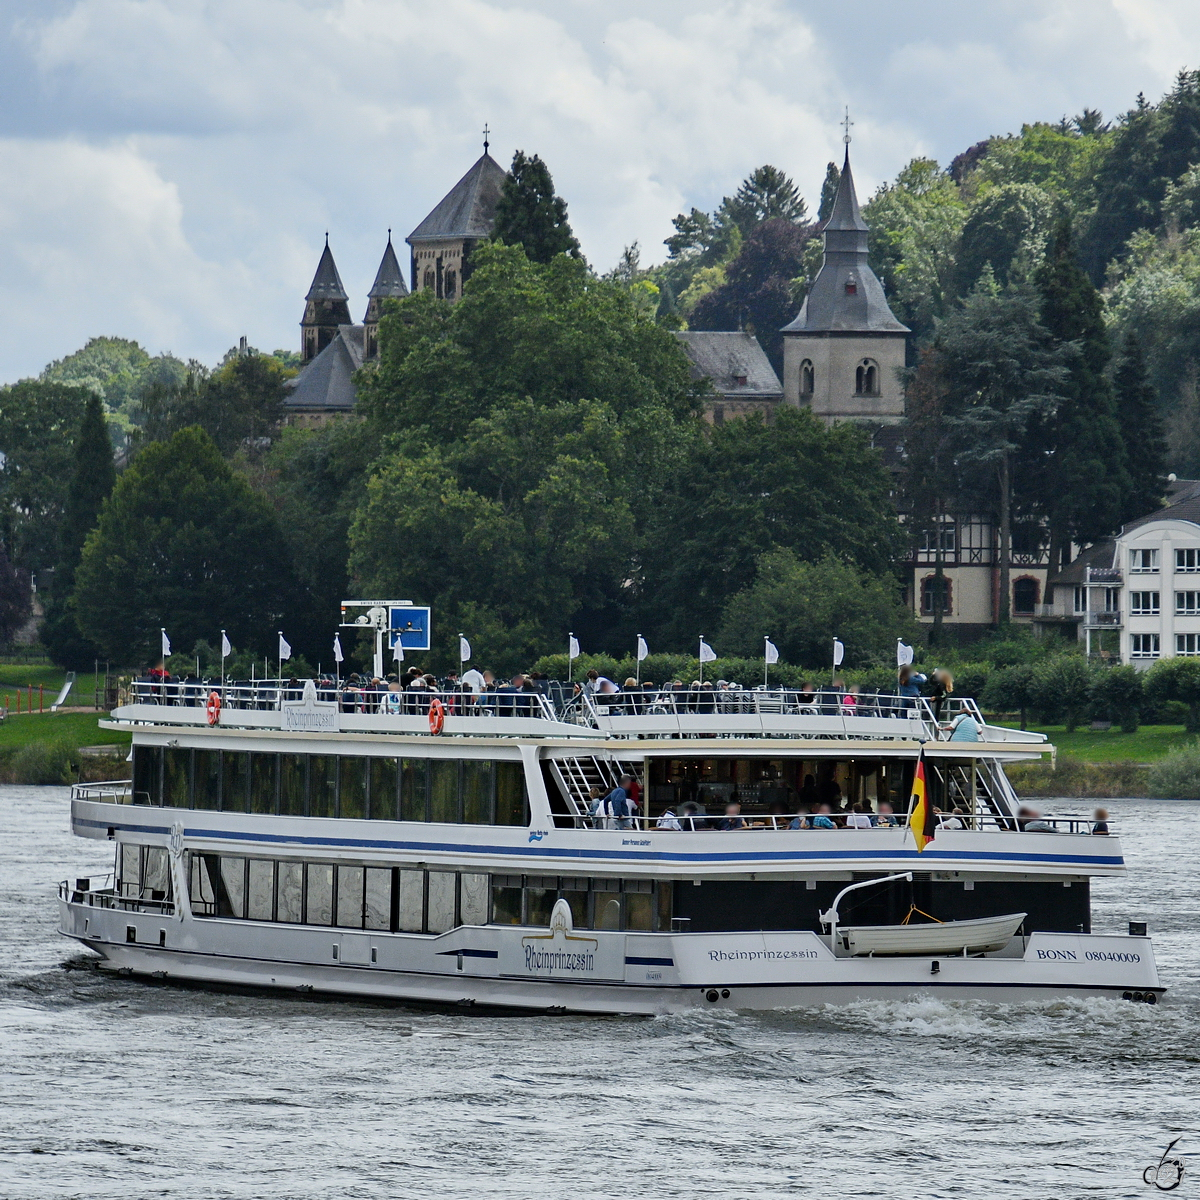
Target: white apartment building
x,y
1138,595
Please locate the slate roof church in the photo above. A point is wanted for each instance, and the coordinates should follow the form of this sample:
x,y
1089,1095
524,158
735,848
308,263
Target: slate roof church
x,y
842,353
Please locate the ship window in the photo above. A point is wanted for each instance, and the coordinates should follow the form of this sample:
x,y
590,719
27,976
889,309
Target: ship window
x,y
510,794
262,783
201,889
260,890
292,786
608,910
235,781
540,894
473,899
384,782
129,869
177,777
318,894
206,776
156,873
290,892
350,897
443,790
233,880
377,903
506,899
352,788
441,906
413,806
322,786
147,775
477,791
410,901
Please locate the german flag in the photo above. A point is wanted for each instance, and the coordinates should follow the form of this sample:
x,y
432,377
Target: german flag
x,y
921,818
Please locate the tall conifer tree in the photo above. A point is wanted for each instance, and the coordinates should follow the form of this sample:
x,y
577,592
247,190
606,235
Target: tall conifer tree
x,y
1142,428
1074,461
91,481
529,214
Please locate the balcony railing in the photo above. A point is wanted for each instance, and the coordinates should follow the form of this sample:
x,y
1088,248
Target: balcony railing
x,y
1103,620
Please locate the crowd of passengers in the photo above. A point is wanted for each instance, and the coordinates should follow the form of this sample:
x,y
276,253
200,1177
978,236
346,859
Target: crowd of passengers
x,y
481,692
818,807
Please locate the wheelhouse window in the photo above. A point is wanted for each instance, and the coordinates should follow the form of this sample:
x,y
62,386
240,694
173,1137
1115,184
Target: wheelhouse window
x,y
1143,645
1142,562
1143,604
1187,561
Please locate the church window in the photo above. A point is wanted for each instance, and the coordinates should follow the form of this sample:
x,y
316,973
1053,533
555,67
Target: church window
x,y
429,281
866,378
451,284
807,378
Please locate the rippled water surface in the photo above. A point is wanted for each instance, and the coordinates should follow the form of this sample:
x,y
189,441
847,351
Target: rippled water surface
x,y
113,1087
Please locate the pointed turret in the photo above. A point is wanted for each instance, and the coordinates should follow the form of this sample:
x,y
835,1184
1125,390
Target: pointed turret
x,y
389,283
844,351
325,307
442,243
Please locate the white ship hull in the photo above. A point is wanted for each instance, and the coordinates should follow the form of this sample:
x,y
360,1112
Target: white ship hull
x,y
597,971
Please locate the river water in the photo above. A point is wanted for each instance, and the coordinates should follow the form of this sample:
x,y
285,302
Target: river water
x,y
113,1087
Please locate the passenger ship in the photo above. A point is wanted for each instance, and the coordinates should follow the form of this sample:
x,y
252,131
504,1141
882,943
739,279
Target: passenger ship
x,y
446,853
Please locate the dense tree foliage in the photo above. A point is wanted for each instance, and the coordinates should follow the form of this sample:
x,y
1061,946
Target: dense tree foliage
x,y
530,214
183,543
91,482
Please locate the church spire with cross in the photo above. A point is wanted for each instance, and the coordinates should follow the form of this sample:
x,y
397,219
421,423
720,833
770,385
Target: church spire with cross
x,y
844,350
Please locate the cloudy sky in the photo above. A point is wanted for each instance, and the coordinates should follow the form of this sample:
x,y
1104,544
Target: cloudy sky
x,y
168,168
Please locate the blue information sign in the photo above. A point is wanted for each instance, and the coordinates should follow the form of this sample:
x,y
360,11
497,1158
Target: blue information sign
x,y
409,626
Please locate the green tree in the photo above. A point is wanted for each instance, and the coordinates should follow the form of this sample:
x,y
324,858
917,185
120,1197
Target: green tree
x,y
91,482
1117,695
530,215
1152,146
914,229
38,424
1012,689
1001,374
829,187
1063,689
1177,679
1142,427
745,488
1076,456
767,194
1007,229
1059,159
804,606
183,543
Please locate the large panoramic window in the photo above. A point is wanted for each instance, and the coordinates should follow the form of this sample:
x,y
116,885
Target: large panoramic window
x,y
349,787
641,904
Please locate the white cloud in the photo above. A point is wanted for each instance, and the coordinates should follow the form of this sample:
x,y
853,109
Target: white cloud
x,y
175,164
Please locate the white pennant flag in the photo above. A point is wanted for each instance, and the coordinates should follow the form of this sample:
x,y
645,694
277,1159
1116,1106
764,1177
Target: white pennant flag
x,y
770,651
839,652
707,653
464,649
166,644
904,654
337,648
226,648
573,647
285,651
398,651
643,650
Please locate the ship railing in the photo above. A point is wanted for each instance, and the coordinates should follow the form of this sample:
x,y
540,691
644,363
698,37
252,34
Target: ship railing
x,y
272,694
101,892
115,791
674,822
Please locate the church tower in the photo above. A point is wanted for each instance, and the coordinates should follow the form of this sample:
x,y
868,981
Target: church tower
x,y
842,355
325,308
389,282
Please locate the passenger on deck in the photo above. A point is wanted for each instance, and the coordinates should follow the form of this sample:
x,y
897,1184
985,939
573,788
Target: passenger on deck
x,y
858,818
801,820
807,699
908,687
885,816
941,684
473,680
953,821
808,794
1100,821
964,728
823,820
613,811
1030,820
668,820
733,818
689,816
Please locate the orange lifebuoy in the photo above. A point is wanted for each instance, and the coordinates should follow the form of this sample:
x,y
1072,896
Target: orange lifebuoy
x,y
437,716
213,708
